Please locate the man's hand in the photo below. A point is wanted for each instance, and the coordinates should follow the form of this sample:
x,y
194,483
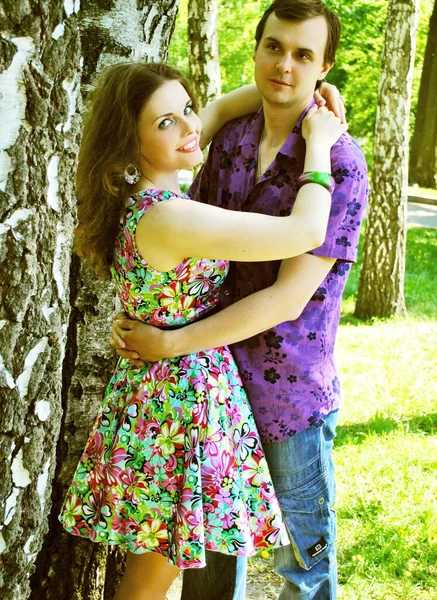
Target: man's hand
x,y
328,95
136,341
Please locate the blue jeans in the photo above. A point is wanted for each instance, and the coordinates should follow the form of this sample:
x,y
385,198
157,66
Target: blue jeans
x,y
303,474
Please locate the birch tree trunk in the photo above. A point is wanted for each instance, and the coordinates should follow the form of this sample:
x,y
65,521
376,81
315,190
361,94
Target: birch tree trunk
x,y
381,286
68,567
55,315
40,126
203,50
423,159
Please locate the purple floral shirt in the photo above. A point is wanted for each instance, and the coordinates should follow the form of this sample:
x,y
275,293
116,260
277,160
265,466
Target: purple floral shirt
x,y
289,372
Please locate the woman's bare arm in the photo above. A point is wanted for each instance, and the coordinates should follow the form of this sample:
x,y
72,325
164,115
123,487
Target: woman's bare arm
x,y
173,230
243,101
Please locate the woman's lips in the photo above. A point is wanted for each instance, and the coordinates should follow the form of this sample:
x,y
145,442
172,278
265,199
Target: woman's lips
x,y
191,146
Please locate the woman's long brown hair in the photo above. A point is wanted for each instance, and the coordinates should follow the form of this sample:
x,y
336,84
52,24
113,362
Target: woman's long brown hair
x,y
109,144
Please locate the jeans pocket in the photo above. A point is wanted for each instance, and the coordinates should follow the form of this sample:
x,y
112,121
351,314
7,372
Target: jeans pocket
x,y
310,520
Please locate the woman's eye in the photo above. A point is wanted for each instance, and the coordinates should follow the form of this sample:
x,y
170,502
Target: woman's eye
x,y
164,124
188,109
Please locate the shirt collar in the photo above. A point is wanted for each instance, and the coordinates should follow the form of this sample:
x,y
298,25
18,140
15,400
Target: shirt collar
x,y
251,138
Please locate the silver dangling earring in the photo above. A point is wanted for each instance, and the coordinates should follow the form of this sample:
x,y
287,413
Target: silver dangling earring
x,y
132,177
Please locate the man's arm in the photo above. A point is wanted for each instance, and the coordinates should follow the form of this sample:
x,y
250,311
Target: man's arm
x,y
298,279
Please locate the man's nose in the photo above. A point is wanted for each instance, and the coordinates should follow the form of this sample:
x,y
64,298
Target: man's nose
x,y
285,64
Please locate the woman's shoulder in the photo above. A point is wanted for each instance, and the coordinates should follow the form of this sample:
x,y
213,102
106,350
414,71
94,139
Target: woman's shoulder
x,y
139,202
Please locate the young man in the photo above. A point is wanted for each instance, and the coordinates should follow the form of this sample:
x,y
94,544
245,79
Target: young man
x,y
283,318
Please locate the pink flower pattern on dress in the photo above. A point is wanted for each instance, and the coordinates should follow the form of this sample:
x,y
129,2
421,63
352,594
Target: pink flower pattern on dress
x,y
174,462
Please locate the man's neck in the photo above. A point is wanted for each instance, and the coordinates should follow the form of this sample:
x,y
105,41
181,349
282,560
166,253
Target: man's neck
x,y
279,122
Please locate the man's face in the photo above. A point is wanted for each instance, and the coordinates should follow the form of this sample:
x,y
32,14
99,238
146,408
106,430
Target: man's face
x,y
289,60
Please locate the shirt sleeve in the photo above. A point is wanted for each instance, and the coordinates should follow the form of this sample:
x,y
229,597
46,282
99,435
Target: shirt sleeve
x,y
349,199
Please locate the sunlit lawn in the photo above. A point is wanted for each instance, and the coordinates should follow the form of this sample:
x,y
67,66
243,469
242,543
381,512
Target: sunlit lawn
x,y
386,450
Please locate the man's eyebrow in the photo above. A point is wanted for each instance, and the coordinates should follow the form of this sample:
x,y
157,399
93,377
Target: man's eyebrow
x,y
170,113
270,38
307,50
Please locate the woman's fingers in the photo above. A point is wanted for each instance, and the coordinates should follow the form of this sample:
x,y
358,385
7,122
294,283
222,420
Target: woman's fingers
x,y
320,100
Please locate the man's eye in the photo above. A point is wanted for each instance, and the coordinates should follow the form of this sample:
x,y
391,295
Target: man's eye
x,y
272,47
303,56
165,123
188,109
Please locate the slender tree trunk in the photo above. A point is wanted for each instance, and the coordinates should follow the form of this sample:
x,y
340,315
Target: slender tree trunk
x,y
381,287
54,357
203,49
423,159
40,126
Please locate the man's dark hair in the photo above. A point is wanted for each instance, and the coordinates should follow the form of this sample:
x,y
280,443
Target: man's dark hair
x,y
301,10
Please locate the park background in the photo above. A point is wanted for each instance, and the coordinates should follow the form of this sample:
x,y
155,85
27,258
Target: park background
x,y
55,316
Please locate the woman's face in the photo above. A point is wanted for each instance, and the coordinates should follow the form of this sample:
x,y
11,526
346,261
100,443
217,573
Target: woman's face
x,y
169,131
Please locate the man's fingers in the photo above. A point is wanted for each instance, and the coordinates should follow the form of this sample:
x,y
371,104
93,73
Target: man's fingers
x,y
116,337
124,323
116,342
128,354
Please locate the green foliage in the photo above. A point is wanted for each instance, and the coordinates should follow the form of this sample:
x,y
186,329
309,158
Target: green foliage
x,y
357,69
356,72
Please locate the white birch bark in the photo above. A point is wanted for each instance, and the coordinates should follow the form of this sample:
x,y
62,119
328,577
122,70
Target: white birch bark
x,y
54,315
110,32
203,50
40,71
381,287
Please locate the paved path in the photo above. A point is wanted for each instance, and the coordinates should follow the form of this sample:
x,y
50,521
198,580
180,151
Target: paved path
x,y
422,215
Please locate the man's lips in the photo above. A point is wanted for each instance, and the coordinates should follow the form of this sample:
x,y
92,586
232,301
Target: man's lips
x,y
190,146
280,82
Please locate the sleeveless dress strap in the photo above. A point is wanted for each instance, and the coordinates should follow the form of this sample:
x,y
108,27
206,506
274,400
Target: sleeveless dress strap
x,y
140,202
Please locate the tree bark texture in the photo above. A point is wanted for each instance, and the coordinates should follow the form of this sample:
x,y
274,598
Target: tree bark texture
x,y
381,286
40,126
203,50
70,568
423,159
55,318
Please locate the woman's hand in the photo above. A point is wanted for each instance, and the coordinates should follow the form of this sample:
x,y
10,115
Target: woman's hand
x,y
329,96
320,126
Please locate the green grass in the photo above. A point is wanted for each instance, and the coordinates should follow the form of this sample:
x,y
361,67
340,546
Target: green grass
x,y
386,446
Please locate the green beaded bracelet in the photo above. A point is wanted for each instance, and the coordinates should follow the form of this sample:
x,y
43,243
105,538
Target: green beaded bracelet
x,y
326,180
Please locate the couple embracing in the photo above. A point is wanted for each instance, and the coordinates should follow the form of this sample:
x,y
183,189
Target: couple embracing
x,y
174,469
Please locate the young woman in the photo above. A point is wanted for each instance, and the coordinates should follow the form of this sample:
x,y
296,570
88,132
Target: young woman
x,y
174,464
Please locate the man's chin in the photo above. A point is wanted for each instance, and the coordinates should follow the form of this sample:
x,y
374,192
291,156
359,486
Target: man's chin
x,y
279,99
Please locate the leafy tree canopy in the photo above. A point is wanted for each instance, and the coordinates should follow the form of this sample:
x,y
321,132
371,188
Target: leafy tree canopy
x,y
356,72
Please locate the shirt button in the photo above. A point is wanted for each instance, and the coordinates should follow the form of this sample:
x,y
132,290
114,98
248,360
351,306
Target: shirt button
x,y
321,500
226,292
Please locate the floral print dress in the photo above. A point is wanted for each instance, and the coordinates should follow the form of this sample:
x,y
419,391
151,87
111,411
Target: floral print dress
x,y
174,462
